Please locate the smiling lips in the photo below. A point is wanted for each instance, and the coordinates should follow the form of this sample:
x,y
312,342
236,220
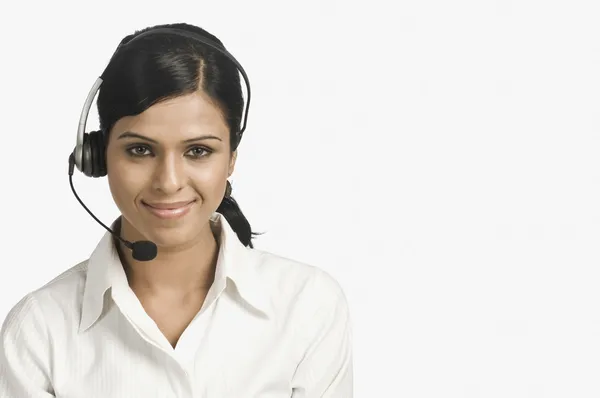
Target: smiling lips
x,y
169,210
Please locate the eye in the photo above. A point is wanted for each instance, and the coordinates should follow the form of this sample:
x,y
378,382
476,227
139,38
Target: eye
x,y
138,150
199,152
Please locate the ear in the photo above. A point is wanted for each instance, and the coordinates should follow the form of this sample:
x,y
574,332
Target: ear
x,y
232,162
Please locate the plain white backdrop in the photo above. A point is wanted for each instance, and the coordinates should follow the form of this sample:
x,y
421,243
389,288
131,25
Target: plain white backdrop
x,y
439,159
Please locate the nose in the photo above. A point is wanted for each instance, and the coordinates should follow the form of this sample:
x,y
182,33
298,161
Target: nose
x,y
169,175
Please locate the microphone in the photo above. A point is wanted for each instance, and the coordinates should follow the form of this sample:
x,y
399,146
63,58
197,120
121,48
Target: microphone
x,y
142,250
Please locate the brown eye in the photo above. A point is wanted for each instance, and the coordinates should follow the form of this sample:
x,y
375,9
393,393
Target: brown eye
x,y
198,152
138,150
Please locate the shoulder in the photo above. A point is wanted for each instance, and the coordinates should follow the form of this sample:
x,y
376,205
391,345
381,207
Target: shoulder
x,y
59,298
306,287
35,328
297,275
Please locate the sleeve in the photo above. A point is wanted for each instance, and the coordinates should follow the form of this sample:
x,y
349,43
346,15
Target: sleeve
x,y
25,352
326,369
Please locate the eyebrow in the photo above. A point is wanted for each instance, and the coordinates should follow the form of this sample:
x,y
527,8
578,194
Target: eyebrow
x,y
131,134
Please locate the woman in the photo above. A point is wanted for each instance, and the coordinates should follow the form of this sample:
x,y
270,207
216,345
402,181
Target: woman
x,y
207,315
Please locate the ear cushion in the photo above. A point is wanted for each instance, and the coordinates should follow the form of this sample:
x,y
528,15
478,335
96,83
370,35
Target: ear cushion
x,y
86,161
101,154
103,169
91,140
97,149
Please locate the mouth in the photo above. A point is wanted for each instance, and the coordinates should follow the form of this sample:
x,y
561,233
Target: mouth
x,y
169,211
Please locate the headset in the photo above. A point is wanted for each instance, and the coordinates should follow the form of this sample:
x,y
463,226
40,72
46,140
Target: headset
x,y
90,148
89,155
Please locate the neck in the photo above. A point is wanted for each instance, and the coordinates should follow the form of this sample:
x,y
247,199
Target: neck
x,y
178,271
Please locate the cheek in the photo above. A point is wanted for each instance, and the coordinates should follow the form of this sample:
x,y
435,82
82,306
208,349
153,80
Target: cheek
x,y
119,189
209,181
125,183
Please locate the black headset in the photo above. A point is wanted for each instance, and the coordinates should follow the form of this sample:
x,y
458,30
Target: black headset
x,y
89,154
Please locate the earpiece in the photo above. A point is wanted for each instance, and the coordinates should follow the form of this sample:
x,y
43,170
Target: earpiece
x,y
94,154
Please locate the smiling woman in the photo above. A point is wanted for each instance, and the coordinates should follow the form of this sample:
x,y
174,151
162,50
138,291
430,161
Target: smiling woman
x,y
206,314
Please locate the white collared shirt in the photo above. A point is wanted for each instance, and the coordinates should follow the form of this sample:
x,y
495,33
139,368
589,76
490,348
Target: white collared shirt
x,y
269,327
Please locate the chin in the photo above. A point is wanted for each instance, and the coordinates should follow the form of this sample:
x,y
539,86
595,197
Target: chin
x,y
172,234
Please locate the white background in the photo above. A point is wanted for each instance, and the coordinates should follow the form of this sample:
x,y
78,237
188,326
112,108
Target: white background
x,y
438,158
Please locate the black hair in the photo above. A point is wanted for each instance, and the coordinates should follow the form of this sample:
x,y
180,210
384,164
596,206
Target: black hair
x,y
162,66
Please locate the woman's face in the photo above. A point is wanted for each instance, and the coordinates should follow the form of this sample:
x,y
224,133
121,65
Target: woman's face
x,y
167,169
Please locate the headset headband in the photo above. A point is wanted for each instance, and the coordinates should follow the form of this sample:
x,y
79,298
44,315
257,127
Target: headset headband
x,y
96,87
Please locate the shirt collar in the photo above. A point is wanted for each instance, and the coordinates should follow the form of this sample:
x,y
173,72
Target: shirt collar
x,y
235,263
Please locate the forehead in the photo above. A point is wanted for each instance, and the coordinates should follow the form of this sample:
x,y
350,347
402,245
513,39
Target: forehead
x,y
177,119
